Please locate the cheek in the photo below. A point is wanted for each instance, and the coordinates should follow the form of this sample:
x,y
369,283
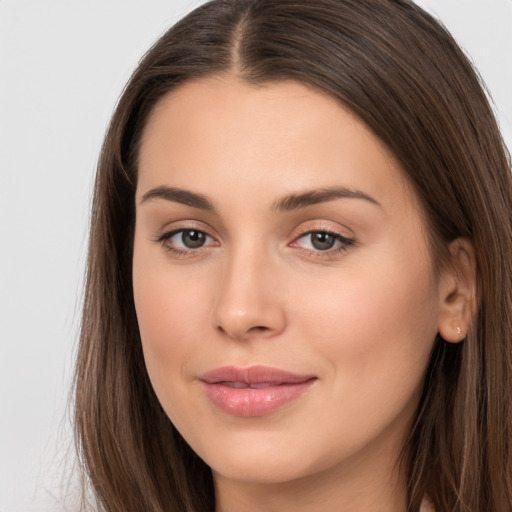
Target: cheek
x,y
161,314
374,329
168,323
170,308
375,323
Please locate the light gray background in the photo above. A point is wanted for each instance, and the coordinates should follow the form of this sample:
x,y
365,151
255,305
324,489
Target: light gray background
x,y
63,64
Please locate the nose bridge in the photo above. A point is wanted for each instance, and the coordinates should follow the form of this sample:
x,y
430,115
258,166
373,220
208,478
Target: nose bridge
x,y
248,304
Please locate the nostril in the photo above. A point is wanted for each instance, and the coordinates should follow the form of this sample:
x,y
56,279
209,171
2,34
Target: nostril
x,y
244,333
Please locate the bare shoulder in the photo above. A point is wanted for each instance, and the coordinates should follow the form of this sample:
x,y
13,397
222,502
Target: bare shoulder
x,y
426,506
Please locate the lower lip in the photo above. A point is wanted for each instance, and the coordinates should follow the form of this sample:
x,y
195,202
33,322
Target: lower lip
x,y
249,402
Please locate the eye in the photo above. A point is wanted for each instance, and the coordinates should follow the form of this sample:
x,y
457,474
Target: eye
x,y
190,238
323,241
185,240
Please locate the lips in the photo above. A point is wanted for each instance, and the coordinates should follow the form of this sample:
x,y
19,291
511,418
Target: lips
x,y
253,391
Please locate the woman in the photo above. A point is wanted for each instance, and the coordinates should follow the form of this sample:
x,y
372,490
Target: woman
x,y
298,290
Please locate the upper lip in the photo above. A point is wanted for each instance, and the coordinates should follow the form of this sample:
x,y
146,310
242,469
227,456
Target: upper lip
x,y
254,375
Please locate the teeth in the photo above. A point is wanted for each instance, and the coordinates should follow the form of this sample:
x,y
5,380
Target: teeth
x,y
244,385
237,385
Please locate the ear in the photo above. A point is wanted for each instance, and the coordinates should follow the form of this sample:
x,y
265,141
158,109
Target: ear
x,y
457,288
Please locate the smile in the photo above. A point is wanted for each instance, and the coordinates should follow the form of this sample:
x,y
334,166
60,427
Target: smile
x,y
254,391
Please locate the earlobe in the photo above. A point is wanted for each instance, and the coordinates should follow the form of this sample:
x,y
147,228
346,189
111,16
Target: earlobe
x,y
457,289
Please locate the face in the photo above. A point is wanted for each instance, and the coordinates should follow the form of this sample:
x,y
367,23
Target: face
x,y
282,280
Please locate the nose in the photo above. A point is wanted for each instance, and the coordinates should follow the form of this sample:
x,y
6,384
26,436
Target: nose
x,y
249,303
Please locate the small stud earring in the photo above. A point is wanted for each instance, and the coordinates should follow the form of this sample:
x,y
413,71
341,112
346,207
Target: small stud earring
x,y
458,330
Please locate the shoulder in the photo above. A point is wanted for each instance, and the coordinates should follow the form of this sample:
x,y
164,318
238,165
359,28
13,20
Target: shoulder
x,y
426,506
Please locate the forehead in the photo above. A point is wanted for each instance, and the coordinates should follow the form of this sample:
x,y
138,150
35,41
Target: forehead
x,y
274,138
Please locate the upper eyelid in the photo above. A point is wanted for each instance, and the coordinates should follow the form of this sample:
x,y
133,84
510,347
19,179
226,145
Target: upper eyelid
x,y
320,230
164,240
186,225
342,238
302,230
172,232
321,227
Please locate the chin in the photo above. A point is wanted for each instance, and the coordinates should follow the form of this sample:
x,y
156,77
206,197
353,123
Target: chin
x,y
262,471
263,458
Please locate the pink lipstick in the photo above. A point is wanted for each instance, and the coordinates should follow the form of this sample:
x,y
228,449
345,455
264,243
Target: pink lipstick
x,y
253,391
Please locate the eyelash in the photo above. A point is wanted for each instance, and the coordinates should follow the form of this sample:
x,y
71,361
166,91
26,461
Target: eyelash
x,y
344,243
166,237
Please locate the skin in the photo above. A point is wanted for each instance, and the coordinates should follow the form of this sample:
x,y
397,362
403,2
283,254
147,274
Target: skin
x,y
362,317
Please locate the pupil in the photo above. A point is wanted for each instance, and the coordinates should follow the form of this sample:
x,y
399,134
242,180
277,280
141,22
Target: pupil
x,y
193,239
322,241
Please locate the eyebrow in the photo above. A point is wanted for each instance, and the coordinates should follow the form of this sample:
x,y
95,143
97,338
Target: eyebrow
x,y
178,195
287,203
323,195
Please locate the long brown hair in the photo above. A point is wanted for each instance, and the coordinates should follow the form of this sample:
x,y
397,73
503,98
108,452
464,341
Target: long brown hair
x,y
400,71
